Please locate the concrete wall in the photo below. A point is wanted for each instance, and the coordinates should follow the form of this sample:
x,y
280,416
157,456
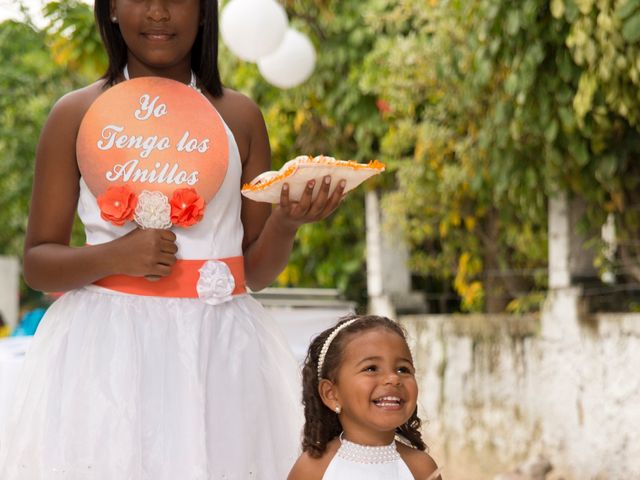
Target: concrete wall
x,y
9,288
496,390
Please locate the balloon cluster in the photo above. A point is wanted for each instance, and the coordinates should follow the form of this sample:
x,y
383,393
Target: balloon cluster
x,y
257,31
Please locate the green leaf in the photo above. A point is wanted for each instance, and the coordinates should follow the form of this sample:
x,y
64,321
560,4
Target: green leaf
x,y
513,22
551,132
571,10
627,9
631,28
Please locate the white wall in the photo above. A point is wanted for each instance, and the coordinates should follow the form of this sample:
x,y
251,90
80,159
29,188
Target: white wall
x,y
9,288
497,389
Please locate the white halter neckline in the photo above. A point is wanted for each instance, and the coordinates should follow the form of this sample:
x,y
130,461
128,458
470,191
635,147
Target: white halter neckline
x,y
192,83
357,453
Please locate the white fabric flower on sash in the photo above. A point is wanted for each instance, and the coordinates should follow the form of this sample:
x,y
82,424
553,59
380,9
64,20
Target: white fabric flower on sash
x,y
153,210
216,283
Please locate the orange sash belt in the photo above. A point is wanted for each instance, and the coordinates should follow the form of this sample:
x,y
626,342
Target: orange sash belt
x,y
181,282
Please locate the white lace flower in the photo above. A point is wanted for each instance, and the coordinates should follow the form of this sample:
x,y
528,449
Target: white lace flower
x,y
153,210
216,282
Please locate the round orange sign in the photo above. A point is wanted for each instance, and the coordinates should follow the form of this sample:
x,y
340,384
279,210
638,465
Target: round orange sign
x,y
153,134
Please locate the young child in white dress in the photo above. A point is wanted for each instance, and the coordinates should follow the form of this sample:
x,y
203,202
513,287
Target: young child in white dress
x,y
359,396
129,378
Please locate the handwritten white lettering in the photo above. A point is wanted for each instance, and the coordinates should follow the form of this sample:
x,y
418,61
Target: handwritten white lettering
x,y
167,173
109,134
113,137
190,145
149,108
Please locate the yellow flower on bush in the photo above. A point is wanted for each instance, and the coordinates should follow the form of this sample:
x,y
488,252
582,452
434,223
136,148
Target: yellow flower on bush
x,y
471,291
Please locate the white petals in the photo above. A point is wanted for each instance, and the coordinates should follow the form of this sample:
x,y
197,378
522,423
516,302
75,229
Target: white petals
x,y
216,282
153,210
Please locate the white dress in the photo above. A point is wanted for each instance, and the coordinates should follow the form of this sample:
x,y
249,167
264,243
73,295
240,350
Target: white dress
x,y
359,462
118,386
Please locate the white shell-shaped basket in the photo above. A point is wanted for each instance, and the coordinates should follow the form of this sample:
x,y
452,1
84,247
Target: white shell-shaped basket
x,y
267,186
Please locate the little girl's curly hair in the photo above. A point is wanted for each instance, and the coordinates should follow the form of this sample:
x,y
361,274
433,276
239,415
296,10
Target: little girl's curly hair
x,y
322,424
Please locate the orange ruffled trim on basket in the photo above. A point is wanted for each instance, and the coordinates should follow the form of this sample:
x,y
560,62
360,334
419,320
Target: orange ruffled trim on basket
x,y
262,185
373,164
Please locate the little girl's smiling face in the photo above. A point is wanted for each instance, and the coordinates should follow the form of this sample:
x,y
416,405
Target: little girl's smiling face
x,y
375,386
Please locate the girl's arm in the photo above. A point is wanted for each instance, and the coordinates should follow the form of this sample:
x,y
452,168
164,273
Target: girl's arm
x,y
49,263
269,233
422,466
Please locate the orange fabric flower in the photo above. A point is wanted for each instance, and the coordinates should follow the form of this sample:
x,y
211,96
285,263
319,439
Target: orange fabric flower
x,y
187,207
117,204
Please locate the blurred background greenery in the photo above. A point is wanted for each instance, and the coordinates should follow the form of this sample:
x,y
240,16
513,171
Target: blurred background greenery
x,y
481,110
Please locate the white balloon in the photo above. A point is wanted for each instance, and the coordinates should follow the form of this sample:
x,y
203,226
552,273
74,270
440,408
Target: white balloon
x,y
292,63
253,28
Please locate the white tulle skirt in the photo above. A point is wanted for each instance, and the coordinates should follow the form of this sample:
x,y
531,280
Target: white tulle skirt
x,y
120,387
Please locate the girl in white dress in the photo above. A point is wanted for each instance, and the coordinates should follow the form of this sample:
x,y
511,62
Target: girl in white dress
x,y
359,395
133,379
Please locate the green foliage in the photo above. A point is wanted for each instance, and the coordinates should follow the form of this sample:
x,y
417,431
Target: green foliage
x,y
329,114
74,38
603,41
469,116
493,106
38,68
481,110
30,81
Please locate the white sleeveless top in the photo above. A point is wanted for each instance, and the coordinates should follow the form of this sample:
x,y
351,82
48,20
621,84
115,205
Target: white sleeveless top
x,y
218,235
360,462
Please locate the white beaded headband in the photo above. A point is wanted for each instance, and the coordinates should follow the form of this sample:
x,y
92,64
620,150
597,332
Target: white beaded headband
x,y
327,343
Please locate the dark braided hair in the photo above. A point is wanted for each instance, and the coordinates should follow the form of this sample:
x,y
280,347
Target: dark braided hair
x,y
322,424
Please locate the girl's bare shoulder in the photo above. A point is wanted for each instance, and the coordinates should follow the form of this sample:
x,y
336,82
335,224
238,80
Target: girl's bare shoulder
x,y
71,107
234,105
420,463
243,116
310,468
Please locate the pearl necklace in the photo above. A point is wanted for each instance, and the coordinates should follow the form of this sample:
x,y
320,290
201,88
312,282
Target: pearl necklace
x,y
192,83
357,453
